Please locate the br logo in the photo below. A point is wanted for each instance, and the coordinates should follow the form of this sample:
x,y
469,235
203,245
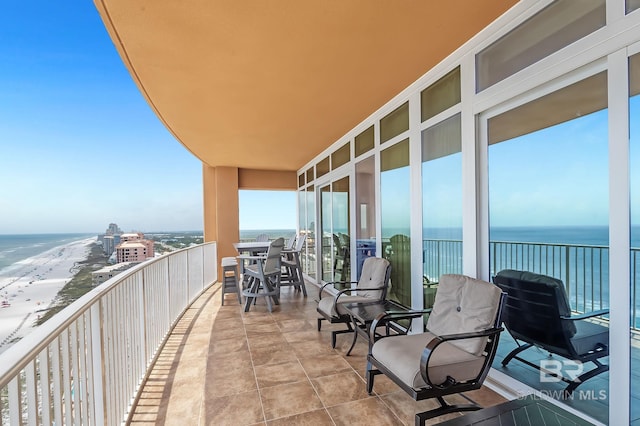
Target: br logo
x,y
552,370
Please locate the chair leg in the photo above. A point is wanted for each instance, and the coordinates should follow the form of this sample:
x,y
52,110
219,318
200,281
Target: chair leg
x,y
445,408
515,352
371,373
601,368
320,323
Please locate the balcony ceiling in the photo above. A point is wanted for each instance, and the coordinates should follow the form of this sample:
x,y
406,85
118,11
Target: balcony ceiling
x,y
269,85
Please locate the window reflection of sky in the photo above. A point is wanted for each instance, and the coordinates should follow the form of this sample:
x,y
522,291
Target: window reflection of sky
x,y
555,176
395,201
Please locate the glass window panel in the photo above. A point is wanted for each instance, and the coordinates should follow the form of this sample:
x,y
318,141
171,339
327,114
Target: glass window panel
x,y
395,220
341,156
310,175
556,26
340,231
441,204
301,180
395,123
310,259
365,211
322,168
548,211
576,100
632,5
441,95
395,157
364,141
634,169
326,243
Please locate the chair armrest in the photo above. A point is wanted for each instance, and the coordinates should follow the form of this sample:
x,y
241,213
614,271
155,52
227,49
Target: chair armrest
x,y
438,340
289,251
251,257
349,290
586,315
394,315
333,284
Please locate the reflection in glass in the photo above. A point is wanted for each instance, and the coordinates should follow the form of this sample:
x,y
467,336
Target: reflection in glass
x,y
396,122
548,206
441,95
395,220
341,156
554,27
364,141
326,243
340,232
310,242
365,211
441,203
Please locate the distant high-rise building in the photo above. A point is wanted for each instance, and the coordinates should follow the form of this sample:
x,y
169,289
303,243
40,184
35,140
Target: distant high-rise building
x,y
110,239
108,244
113,229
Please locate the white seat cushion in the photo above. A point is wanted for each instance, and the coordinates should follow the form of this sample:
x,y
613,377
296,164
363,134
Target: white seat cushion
x,y
464,305
401,355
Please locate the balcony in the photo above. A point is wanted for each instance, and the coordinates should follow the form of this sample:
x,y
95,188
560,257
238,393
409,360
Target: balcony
x,y
155,344
105,359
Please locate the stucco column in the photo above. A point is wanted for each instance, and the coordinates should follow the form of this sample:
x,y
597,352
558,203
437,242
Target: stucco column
x,y
221,213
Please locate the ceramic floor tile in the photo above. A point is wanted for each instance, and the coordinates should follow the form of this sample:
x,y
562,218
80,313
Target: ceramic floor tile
x,y
288,400
324,365
312,418
210,367
238,409
272,355
366,412
340,388
277,374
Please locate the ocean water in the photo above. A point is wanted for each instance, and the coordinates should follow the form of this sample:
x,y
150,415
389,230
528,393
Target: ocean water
x,y
15,248
251,234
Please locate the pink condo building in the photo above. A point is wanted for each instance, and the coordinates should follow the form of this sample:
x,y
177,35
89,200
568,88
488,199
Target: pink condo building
x,y
134,248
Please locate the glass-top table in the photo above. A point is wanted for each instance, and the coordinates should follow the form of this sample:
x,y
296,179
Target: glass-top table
x,y
363,315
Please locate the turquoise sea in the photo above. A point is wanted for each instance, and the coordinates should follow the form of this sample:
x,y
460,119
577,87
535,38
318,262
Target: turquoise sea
x,y
15,248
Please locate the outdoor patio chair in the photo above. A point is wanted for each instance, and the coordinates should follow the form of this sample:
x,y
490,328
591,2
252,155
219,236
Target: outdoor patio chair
x,y
537,313
291,268
262,238
262,277
455,353
373,285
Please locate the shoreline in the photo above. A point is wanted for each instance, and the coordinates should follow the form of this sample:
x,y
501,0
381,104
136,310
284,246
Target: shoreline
x,y
30,288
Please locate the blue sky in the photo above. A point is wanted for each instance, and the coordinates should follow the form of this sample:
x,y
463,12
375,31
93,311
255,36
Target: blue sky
x,y
79,146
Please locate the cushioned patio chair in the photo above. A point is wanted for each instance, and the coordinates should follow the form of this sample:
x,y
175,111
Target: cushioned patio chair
x,y
372,285
455,353
537,313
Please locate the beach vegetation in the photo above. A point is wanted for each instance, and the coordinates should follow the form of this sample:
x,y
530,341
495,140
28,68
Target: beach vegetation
x,y
80,284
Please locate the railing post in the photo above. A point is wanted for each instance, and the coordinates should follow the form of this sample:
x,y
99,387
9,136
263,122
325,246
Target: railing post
x,y
97,352
567,274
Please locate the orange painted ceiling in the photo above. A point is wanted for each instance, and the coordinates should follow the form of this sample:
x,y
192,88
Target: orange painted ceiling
x,y
270,84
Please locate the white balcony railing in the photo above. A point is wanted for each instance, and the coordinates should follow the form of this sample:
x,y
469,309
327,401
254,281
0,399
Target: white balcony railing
x,y
86,364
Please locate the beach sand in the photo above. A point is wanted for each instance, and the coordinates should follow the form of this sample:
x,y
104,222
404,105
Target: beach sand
x,y
29,289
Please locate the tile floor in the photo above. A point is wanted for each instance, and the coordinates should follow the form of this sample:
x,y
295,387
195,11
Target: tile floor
x,y
222,366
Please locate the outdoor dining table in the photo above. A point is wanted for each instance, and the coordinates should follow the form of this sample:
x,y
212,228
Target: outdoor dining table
x,y
252,247
248,250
